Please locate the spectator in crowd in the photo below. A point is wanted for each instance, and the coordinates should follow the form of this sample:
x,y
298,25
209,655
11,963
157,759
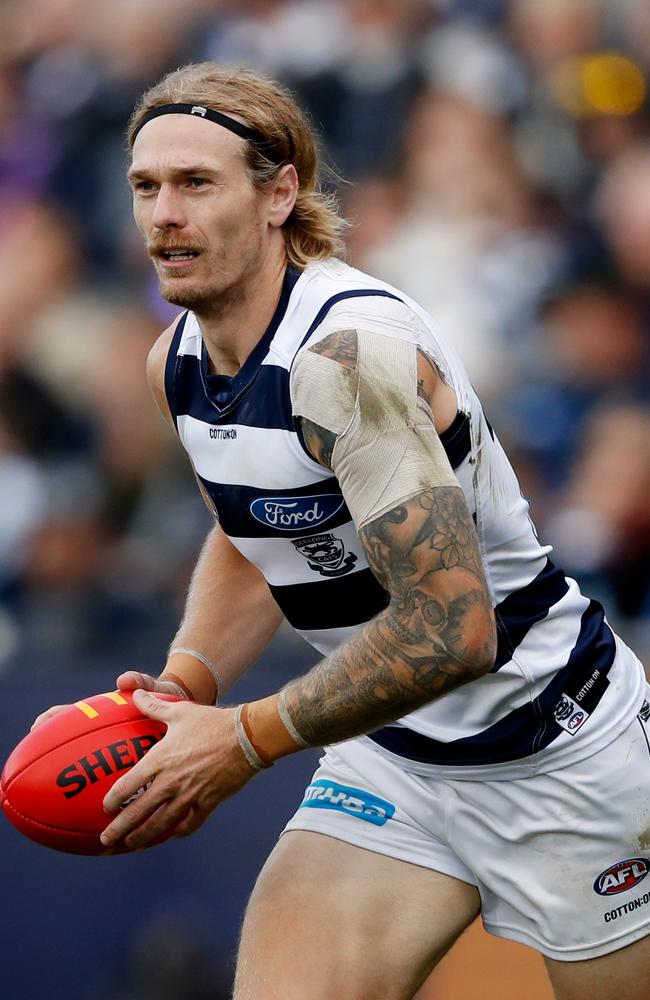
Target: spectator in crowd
x,y
602,526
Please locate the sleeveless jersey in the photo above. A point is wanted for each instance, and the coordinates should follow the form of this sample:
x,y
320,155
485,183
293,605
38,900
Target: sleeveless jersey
x,y
562,686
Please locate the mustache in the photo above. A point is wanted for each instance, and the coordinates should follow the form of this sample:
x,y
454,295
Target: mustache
x,y
156,247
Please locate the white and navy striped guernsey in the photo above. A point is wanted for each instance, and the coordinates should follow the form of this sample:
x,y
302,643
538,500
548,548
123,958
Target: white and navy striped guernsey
x,y
562,685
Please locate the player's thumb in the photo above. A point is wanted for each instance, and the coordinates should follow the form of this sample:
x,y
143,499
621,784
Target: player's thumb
x,y
149,704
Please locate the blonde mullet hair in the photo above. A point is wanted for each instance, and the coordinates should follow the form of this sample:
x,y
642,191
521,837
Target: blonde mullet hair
x,y
314,229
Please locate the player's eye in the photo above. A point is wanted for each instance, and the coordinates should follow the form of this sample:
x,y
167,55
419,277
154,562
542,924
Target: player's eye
x,y
144,187
197,182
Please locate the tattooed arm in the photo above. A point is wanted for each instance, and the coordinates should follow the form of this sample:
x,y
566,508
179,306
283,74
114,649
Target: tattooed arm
x,y
437,632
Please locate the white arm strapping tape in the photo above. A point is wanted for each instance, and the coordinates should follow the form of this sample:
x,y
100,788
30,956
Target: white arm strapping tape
x,y
387,448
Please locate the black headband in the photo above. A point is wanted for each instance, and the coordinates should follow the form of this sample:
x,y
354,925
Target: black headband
x,y
251,135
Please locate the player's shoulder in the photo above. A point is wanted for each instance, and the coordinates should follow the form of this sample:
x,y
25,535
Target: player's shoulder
x,y
157,357
156,362
353,300
356,300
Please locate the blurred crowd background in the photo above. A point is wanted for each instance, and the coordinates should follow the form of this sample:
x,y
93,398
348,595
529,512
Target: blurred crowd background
x,y
496,166
495,157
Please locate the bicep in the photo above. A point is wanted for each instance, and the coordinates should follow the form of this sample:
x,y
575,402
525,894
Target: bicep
x,y
229,591
226,560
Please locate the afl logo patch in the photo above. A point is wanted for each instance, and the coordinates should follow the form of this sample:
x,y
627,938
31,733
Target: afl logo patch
x,y
569,715
622,876
296,513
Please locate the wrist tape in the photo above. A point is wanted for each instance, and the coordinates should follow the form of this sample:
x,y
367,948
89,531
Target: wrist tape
x,y
266,731
196,673
251,752
182,687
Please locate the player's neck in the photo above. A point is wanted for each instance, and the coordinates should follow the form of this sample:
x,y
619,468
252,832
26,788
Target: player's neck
x,y
231,336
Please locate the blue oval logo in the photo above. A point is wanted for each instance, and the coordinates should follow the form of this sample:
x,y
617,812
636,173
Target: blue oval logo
x,y
621,876
296,513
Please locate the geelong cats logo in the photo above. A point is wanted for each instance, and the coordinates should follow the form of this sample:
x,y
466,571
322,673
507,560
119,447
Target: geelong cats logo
x,y
326,554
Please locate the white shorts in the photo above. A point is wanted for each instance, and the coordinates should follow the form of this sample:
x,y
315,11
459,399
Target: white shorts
x,y
560,859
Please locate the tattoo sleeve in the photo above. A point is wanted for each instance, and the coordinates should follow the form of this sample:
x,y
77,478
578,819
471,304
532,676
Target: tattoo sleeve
x,y
438,630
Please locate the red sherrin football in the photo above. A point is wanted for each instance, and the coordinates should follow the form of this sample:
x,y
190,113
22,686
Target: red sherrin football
x,y
54,782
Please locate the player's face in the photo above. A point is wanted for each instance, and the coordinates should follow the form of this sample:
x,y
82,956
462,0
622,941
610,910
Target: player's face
x,y
205,224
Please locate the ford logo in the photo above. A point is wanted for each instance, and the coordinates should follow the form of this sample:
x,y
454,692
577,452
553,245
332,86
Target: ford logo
x,y
296,513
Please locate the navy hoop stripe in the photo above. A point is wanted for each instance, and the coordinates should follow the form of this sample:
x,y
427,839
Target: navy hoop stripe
x,y
271,385
349,600
527,729
233,505
521,609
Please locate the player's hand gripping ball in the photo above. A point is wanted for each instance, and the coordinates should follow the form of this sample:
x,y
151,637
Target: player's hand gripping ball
x,y
54,782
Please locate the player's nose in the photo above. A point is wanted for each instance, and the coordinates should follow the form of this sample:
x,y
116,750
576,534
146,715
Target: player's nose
x,y
168,210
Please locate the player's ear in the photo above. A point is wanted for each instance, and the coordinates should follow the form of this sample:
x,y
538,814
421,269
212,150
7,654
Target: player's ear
x,y
285,192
